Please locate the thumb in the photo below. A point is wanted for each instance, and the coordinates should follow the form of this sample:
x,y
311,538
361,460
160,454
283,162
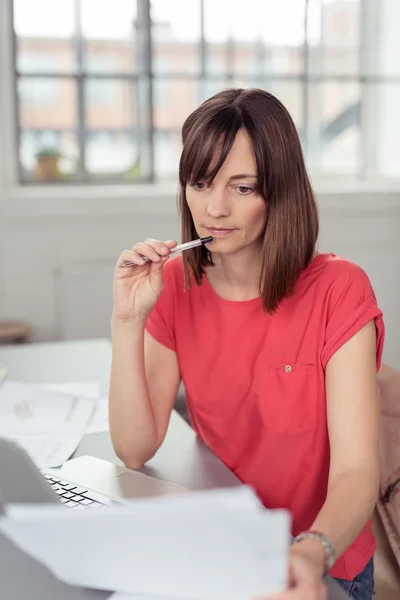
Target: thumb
x,y
301,570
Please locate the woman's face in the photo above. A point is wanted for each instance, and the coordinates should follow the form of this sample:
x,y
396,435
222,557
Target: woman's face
x,y
230,209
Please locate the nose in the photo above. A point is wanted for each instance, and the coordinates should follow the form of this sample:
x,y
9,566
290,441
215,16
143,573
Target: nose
x,y
217,204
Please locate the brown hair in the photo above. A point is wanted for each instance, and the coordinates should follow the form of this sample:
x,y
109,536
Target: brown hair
x,y
291,227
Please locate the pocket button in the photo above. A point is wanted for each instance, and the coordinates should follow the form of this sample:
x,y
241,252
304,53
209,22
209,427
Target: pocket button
x,y
288,368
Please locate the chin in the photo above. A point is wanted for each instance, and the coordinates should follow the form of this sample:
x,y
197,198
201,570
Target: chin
x,y
223,246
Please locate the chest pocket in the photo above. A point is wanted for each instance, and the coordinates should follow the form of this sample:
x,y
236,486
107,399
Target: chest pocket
x,y
289,405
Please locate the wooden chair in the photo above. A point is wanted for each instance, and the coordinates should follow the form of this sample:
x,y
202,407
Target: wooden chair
x,y
387,572
387,568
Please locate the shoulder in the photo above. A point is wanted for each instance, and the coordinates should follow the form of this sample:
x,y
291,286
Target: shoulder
x,y
338,273
347,302
331,281
343,291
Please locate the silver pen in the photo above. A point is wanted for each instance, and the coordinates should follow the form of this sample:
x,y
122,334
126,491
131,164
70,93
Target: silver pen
x,y
178,248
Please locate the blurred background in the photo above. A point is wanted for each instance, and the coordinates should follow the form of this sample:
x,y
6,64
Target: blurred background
x,y
93,96
104,85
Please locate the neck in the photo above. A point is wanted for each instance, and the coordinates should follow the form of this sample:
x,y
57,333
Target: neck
x,y
237,275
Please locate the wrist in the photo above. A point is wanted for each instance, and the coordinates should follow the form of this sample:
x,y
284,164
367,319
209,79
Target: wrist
x,y
128,322
318,547
313,550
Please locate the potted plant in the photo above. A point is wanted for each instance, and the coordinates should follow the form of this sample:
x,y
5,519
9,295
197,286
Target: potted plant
x,y
47,167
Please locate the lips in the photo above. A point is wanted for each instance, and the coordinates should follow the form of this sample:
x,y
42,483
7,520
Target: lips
x,y
220,230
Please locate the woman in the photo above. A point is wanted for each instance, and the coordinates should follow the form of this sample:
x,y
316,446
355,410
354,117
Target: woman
x,y
276,344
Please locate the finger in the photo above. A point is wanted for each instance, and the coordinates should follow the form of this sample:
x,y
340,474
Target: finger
x,y
162,248
316,591
302,569
157,267
171,243
144,249
129,256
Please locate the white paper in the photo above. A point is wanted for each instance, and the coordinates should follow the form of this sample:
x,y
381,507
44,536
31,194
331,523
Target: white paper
x,y
123,596
47,423
209,545
49,451
90,389
99,419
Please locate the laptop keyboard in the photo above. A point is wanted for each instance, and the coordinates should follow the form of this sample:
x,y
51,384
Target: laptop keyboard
x,y
72,495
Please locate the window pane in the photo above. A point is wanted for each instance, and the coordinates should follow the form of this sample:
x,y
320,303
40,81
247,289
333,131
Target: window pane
x,y
334,127
44,18
45,33
167,150
384,128
47,117
36,56
255,41
109,31
175,36
174,100
112,152
48,156
111,140
334,36
209,87
383,49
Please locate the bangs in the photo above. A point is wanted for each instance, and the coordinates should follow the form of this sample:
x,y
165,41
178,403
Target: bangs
x,y
207,142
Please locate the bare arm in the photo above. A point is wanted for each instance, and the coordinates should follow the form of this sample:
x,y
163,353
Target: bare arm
x,y
353,423
144,374
144,383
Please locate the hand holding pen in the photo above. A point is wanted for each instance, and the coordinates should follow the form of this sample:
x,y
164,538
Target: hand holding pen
x,y
138,279
178,248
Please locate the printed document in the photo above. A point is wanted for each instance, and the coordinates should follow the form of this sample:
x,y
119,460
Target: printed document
x,y
47,423
99,420
203,545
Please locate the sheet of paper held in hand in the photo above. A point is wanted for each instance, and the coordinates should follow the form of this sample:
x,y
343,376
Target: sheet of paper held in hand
x,y
47,423
207,545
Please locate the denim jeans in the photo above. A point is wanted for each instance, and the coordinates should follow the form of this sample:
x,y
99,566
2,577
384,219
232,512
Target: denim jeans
x,y
362,586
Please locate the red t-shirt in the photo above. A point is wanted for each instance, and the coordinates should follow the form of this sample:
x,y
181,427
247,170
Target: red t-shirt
x,y
255,383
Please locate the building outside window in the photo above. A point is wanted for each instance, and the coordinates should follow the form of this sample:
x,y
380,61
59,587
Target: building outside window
x,y
102,88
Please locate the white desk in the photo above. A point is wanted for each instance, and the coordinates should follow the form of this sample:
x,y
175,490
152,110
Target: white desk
x,y
182,459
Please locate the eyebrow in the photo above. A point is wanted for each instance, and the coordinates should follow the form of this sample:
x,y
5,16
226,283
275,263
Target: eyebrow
x,y
243,176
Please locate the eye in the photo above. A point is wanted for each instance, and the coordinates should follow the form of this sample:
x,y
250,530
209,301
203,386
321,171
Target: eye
x,y
244,190
199,186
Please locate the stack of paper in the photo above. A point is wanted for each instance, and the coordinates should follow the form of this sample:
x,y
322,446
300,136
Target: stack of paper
x,y
99,420
214,545
48,424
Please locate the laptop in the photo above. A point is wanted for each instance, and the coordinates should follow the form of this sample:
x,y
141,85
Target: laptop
x,y
82,483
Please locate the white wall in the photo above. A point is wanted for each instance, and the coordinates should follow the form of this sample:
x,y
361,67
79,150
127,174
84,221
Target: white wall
x,y
365,229
58,252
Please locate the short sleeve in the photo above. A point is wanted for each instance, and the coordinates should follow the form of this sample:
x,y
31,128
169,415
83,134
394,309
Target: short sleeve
x,y
160,323
351,305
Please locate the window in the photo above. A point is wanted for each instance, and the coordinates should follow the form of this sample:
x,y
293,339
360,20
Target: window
x,y
102,88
